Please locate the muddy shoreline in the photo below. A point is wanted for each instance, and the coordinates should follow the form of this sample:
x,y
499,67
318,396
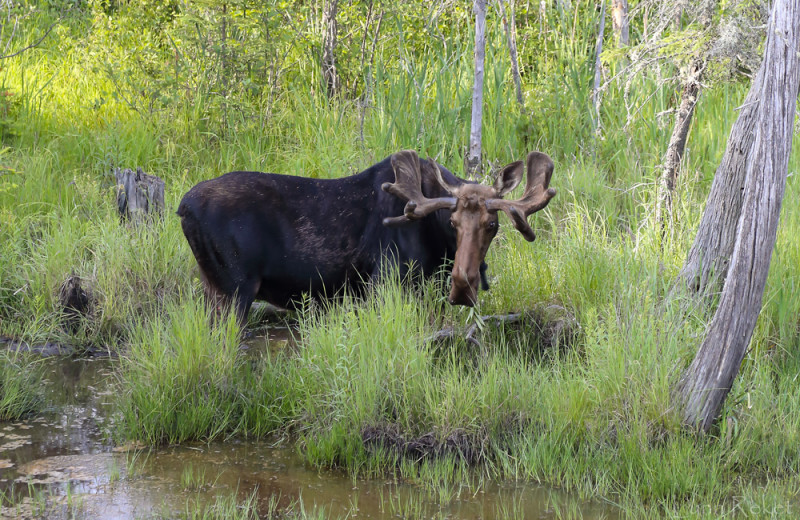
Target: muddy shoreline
x,y
65,461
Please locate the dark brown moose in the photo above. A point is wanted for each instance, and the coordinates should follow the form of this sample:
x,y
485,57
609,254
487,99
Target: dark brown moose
x,y
273,237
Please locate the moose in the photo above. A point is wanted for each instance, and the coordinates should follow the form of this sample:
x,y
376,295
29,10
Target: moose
x,y
273,237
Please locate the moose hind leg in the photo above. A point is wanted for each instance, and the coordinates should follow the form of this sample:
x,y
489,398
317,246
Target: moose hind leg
x,y
216,298
243,300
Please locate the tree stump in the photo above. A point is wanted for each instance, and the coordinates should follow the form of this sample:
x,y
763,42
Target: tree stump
x,y
76,302
139,195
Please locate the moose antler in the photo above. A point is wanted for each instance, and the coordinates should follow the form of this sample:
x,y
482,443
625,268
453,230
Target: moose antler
x,y
535,197
408,186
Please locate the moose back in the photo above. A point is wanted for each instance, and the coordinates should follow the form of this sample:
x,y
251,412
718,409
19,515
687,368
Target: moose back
x,y
273,237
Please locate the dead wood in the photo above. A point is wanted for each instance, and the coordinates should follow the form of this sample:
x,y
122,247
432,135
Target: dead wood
x,y
139,195
552,325
468,447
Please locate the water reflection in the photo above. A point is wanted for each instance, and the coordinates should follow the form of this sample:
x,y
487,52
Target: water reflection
x,y
66,456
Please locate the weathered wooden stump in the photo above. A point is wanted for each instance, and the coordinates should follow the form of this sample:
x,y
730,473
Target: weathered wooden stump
x,y
139,195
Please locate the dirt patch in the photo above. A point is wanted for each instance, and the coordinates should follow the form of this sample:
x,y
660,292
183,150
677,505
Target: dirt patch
x,y
468,447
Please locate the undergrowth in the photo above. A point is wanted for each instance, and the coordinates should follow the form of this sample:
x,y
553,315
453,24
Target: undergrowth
x,y
365,388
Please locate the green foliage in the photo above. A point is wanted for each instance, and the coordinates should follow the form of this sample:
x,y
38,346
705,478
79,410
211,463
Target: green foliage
x,y
178,376
188,90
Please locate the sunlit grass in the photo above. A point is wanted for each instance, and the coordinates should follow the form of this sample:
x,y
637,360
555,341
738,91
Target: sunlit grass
x,y
592,414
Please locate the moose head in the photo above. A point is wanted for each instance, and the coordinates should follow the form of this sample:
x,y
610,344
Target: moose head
x,y
473,210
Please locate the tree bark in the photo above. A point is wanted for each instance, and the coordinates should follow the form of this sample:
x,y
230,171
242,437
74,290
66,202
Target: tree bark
x,y
677,143
707,262
370,79
139,195
703,388
473,162
619,21
598,67
511,37
225,65
329,25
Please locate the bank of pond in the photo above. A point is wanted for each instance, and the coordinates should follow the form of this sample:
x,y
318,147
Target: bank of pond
x,y
64,462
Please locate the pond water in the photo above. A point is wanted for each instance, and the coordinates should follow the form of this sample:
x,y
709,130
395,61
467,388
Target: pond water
x,y
61,464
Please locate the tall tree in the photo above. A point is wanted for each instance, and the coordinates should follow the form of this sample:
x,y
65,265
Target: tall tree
x,y
763,160
473,161
329,46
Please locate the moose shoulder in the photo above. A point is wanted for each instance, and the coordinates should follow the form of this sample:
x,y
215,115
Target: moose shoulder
x,y
274,237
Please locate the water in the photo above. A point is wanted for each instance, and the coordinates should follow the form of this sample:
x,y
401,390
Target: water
x,y
61,464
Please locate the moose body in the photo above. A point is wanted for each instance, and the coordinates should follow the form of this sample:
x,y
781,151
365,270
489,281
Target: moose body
x,y
274,237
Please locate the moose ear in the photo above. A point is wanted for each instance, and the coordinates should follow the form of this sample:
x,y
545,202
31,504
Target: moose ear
x,y
508,178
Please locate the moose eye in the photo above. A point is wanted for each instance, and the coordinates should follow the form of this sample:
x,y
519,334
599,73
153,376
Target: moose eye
x,y
452,224
492,225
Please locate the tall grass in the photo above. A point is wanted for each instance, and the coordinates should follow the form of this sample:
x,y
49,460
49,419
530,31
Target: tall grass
x,y
20,386
366,389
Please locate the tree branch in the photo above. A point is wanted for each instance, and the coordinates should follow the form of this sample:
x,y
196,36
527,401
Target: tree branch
x,y
36,43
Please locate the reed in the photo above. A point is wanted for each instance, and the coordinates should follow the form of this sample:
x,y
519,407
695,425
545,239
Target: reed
x,y
365,389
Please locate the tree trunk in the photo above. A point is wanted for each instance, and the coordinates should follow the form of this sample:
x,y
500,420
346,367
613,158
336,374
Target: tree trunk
x,y
224,65
511,37
473,162
365,102
702,390
677,143
706,264
619,21
329,74
598,67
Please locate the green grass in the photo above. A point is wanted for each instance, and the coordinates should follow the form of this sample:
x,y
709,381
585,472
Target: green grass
x,y
20,385
591,414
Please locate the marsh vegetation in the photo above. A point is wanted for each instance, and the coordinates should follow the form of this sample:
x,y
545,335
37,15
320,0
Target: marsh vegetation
x,y
189,92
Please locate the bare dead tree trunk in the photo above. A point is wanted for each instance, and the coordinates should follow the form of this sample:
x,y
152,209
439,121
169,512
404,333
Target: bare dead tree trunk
x,y
370,78
702,390
473,162
644,22
363,51
677,143
329,27
598,68
707,262
76,299
619,21
224,65
511,37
